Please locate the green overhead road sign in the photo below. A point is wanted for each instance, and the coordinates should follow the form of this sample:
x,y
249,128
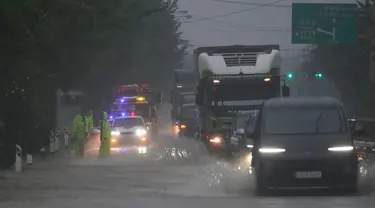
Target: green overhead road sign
x,y
315,23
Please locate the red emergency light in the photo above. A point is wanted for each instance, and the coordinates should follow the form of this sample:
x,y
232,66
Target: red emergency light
x,y
123,87
132,113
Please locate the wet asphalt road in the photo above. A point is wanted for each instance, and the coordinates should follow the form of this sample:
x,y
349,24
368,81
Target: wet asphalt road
x,y
167,177
174,173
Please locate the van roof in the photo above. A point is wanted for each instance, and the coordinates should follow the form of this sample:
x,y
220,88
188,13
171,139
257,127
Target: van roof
x,y
303,102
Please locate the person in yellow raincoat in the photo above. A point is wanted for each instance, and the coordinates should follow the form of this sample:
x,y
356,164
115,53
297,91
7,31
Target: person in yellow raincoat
x,y
89,123
105,136
79,132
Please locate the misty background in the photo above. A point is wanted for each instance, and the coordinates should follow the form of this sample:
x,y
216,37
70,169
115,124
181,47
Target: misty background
x,y
253,22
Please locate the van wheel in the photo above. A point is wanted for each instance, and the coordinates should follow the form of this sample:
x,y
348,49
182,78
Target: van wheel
x,y
261,188
352,188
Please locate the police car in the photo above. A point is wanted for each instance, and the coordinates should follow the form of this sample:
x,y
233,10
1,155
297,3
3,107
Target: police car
x,y
128,132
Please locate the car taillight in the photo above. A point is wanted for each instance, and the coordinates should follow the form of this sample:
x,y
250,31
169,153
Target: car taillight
x,y
215,140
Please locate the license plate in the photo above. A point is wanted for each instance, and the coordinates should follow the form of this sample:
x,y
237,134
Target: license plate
x,y
310,174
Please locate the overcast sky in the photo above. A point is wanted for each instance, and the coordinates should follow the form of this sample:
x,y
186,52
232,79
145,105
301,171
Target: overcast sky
x,y
219,22
249,22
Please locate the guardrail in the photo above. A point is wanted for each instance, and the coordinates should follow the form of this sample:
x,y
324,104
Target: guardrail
x,y
54,146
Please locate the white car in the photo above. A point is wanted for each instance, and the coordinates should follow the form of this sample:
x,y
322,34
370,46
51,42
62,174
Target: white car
x,y
129,131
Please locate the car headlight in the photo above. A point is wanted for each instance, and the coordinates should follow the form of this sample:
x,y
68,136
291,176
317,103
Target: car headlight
x,y
115,133
341,149
140,132
269,150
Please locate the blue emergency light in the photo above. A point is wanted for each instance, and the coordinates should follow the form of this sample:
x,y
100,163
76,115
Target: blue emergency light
x,y
128,114
110,118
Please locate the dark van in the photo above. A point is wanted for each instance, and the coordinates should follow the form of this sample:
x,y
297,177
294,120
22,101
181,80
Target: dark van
x,y
303,143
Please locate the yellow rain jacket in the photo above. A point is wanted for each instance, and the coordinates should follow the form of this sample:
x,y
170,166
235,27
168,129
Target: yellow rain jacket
x,y
105,146
79,134
89,123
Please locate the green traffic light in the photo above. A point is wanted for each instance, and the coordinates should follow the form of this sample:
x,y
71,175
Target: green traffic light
x,y
318,75
290,76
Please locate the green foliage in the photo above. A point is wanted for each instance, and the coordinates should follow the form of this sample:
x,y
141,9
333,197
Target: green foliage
x,y
84,44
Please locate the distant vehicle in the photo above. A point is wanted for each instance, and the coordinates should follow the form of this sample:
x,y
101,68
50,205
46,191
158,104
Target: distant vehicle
x,y
187,120
303,143
137,99
187,98
180,100
185,79
129,131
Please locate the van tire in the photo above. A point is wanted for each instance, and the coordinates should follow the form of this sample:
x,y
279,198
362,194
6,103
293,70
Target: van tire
x,y
260,190
260,184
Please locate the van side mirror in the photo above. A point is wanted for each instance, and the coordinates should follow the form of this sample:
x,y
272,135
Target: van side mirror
x,y
285,91
250,134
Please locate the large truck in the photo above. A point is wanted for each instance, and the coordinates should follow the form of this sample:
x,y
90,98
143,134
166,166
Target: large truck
x,y
232,79
185,83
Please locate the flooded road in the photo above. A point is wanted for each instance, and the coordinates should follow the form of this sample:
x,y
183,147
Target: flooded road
x,y
174,173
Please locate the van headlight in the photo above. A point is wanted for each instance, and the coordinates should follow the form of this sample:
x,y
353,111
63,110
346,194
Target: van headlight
x,y
140,132
270,150
115,133
341,148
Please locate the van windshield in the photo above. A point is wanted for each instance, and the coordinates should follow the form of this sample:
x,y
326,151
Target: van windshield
x,y
304,121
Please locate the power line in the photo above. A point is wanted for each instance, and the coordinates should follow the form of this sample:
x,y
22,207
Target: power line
x,y
232,13
252,3
236,25
275,6
249,30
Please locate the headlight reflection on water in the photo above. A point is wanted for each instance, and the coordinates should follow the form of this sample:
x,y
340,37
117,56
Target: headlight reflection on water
x,y
142,150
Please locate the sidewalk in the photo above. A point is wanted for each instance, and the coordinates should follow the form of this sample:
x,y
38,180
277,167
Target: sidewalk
x,y
39,161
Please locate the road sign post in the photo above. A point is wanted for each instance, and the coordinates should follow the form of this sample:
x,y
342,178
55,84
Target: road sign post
x,y
319,23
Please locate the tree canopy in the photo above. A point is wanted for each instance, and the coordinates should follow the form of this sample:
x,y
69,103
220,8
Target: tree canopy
x,y
91,45
348,65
